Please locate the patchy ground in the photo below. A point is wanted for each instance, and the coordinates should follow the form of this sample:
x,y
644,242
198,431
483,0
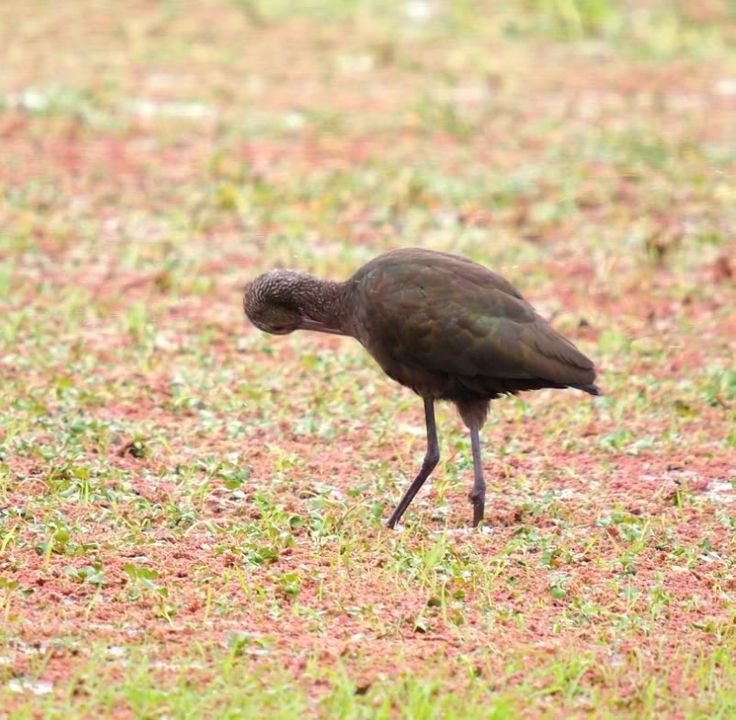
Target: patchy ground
x,y
191,512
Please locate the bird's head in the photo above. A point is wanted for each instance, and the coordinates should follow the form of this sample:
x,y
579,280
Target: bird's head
x,y
270,302
281,301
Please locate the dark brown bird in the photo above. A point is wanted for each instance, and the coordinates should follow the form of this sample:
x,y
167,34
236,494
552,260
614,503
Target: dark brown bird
x,y
442,325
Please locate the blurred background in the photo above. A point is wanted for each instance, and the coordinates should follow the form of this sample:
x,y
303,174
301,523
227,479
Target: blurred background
x,y
156,154
166,136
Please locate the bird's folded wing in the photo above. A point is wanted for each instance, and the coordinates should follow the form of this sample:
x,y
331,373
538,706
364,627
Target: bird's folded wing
x,y
459,327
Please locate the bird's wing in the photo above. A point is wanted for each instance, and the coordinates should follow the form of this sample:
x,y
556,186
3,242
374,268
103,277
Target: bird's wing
x,y
459,318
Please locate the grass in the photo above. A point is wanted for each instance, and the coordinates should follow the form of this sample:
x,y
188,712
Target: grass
x,y
191,512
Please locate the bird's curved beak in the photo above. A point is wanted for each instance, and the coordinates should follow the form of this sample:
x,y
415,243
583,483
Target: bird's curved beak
x,y
309,324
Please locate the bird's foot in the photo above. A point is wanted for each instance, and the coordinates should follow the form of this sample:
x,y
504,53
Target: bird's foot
x,y
479,505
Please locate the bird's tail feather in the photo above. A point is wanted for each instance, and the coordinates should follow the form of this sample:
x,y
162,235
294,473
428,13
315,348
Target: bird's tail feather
x,y
591,389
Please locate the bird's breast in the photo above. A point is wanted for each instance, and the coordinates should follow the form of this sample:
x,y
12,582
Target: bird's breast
x,y
423,382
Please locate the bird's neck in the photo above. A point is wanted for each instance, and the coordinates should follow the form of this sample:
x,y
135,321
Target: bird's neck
x,y
323,301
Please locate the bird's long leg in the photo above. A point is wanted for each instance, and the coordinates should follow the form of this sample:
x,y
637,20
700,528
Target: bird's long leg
x,y
478,493
431,458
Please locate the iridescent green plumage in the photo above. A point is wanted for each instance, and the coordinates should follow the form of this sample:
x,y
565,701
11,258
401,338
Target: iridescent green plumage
x,y
451,329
